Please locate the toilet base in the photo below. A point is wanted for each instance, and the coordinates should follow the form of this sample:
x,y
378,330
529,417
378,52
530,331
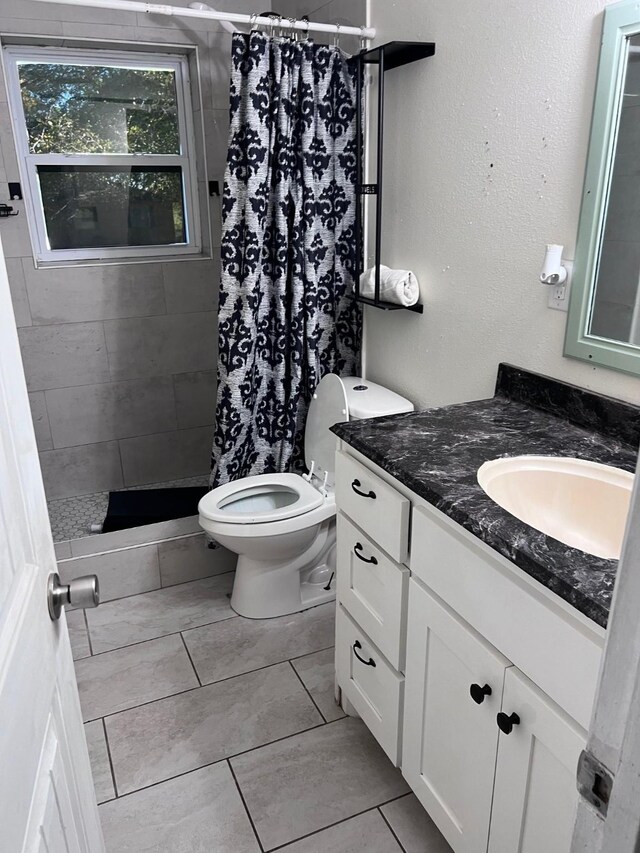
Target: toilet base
x,y
263,590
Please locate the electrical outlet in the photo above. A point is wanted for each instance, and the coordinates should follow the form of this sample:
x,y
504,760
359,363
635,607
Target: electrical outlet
x,y
558,296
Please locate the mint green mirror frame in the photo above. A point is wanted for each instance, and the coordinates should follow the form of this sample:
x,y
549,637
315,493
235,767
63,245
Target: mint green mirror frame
x,y
621,21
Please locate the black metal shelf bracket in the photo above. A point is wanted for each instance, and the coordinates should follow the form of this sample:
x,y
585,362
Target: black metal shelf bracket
x,y
387,56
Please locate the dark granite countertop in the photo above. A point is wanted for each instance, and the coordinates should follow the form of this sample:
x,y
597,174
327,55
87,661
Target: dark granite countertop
x,y
436,453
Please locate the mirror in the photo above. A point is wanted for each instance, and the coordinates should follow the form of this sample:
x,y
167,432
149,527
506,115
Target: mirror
x,y
604,315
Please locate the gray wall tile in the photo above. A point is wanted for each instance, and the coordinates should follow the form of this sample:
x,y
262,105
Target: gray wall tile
x,y
190,286
18,287
81,470
120,573
217,137
62,549
219,70
40,420
10,161
189,558
152,346
74,294
195,398
91,413
15,232
60,356
167,456
30,27
44,13
133,536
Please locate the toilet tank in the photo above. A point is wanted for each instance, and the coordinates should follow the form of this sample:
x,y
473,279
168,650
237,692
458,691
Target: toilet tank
x,y
369,400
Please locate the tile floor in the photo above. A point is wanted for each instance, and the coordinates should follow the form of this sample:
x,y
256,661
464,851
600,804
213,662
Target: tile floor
x,y
71,518
210,733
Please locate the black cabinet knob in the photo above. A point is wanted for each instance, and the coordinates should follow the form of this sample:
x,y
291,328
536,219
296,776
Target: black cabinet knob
x,y
478,693
506,722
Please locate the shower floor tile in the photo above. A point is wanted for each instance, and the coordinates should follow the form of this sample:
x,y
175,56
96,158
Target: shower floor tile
x,y
71,518
259,758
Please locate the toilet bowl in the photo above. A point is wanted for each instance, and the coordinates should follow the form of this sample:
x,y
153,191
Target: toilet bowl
x,y
282,526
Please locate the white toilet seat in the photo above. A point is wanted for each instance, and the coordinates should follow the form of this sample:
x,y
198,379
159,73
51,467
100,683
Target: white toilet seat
x,y
262,499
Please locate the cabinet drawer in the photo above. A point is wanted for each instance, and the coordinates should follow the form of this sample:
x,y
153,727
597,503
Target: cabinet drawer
x,y
373,589
553,648
372,686
374,505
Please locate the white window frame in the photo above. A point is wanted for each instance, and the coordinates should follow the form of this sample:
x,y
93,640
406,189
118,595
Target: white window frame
x,y
29,162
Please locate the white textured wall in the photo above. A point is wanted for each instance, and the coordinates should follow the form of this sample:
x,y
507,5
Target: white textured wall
x,y
511,85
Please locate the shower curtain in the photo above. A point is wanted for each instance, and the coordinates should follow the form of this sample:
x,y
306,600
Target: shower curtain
x,y
287,315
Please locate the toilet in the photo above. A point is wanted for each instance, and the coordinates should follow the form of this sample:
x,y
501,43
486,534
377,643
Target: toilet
x,y
282,526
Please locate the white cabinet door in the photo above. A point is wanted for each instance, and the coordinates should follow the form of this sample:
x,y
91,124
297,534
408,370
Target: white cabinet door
x,y
47,801
450,740
535,794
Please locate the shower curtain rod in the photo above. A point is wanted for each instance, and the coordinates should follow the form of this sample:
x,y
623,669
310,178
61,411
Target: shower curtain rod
x,y
232,17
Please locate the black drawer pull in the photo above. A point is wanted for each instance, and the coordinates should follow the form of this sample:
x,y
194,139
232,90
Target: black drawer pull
x,y
356,550
506,723
478,693
357,646
357,483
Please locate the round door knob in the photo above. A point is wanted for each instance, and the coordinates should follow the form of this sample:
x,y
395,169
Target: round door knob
x,y
506,722
81,592
478,693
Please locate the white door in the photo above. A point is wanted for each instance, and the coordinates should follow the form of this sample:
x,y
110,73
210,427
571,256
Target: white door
x,y
47,802
535,794
453,692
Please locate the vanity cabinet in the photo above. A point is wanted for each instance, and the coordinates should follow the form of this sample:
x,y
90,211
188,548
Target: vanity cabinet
x,y
476,680
491,758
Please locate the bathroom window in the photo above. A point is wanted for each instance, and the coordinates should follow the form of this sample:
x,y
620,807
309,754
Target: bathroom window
x,y
105,143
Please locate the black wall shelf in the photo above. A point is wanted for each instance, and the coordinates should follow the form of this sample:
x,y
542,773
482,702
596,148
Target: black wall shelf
x,y
386,56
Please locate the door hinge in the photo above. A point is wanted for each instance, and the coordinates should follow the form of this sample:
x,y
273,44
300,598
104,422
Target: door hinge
x,y
595,782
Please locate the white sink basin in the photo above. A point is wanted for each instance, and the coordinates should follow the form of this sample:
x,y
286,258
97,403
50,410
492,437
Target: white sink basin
x,y
583,504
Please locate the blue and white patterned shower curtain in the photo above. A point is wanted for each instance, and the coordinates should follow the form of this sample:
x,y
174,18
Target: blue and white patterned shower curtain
x,y
287,315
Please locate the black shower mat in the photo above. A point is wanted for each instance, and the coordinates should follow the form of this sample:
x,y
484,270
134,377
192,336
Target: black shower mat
x,y
147,506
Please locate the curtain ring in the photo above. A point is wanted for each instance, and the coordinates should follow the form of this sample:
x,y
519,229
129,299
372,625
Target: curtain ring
x,y
279,26
294,33
363,40
336,38
305,19
253,17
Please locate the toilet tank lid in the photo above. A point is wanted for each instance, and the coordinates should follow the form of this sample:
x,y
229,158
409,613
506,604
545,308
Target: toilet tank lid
x,y
369,400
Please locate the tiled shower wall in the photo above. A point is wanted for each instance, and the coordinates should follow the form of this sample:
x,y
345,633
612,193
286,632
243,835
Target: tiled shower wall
x,y
120,359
